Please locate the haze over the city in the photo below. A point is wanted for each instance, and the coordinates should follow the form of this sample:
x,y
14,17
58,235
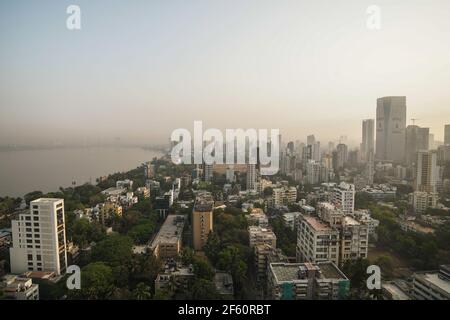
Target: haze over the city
x,y
139,69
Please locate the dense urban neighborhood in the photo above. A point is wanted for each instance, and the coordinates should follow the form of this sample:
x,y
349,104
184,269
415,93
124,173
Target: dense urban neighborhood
x,y
223,231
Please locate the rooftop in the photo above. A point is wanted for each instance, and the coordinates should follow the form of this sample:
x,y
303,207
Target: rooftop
x,y
434,279
171,231
290,271
316,224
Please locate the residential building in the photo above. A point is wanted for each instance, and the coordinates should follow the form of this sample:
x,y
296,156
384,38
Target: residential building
x,y
421,201
290,219
252,177
354,240
39,238
427,173
344,197
391,125
432,285
416,140
167,243
202,219
16,287
316,241
368,139
443,154
264,255
307,281
342,156
447,134
259,235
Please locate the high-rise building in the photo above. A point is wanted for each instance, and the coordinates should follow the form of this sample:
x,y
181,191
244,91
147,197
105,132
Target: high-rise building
x,y
208,170
344,197
447,134
342,155
391,124
39,238
310,140
252,177
202,220
417,139
230,173
368,138
427,173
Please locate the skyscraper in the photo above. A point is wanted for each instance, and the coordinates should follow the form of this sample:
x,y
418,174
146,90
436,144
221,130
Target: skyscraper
x,y
39,238
391,124
368,138
417,139
447,134
342,155
427,174
252,178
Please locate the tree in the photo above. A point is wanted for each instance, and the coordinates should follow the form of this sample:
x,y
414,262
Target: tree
x,y
187,256
203,289
85,232
142,292
114,250
142,232
32,196
202,269
96,282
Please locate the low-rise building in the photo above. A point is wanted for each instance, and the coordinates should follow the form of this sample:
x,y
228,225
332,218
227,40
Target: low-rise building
x,y
259,235
290,219
16,287
307,281
432,285
174,277
167,243
224,285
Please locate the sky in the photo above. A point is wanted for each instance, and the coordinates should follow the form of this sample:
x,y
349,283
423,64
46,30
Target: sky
x,y
137,70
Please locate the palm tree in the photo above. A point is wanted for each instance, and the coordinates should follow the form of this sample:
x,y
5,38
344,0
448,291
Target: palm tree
x,y
142,292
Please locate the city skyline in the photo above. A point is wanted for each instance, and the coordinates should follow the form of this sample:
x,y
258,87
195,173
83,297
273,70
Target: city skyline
x,y
303,67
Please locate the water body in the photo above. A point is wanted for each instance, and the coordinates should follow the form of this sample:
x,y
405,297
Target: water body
x,y
47,170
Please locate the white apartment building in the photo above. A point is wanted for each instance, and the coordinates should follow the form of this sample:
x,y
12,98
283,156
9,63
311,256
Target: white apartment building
x,y
344,197
316,241
39,238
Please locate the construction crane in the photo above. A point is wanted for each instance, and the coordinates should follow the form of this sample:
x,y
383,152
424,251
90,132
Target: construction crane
x,y
414,121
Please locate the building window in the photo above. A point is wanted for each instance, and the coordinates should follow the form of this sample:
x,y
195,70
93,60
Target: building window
x,y
30,257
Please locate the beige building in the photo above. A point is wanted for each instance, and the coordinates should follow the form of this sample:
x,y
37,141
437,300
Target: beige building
x,y
202,220
427,174
354,240
167,243
259,235
39,238
421,201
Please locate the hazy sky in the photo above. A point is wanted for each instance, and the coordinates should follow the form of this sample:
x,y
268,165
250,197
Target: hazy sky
x,y
139,69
